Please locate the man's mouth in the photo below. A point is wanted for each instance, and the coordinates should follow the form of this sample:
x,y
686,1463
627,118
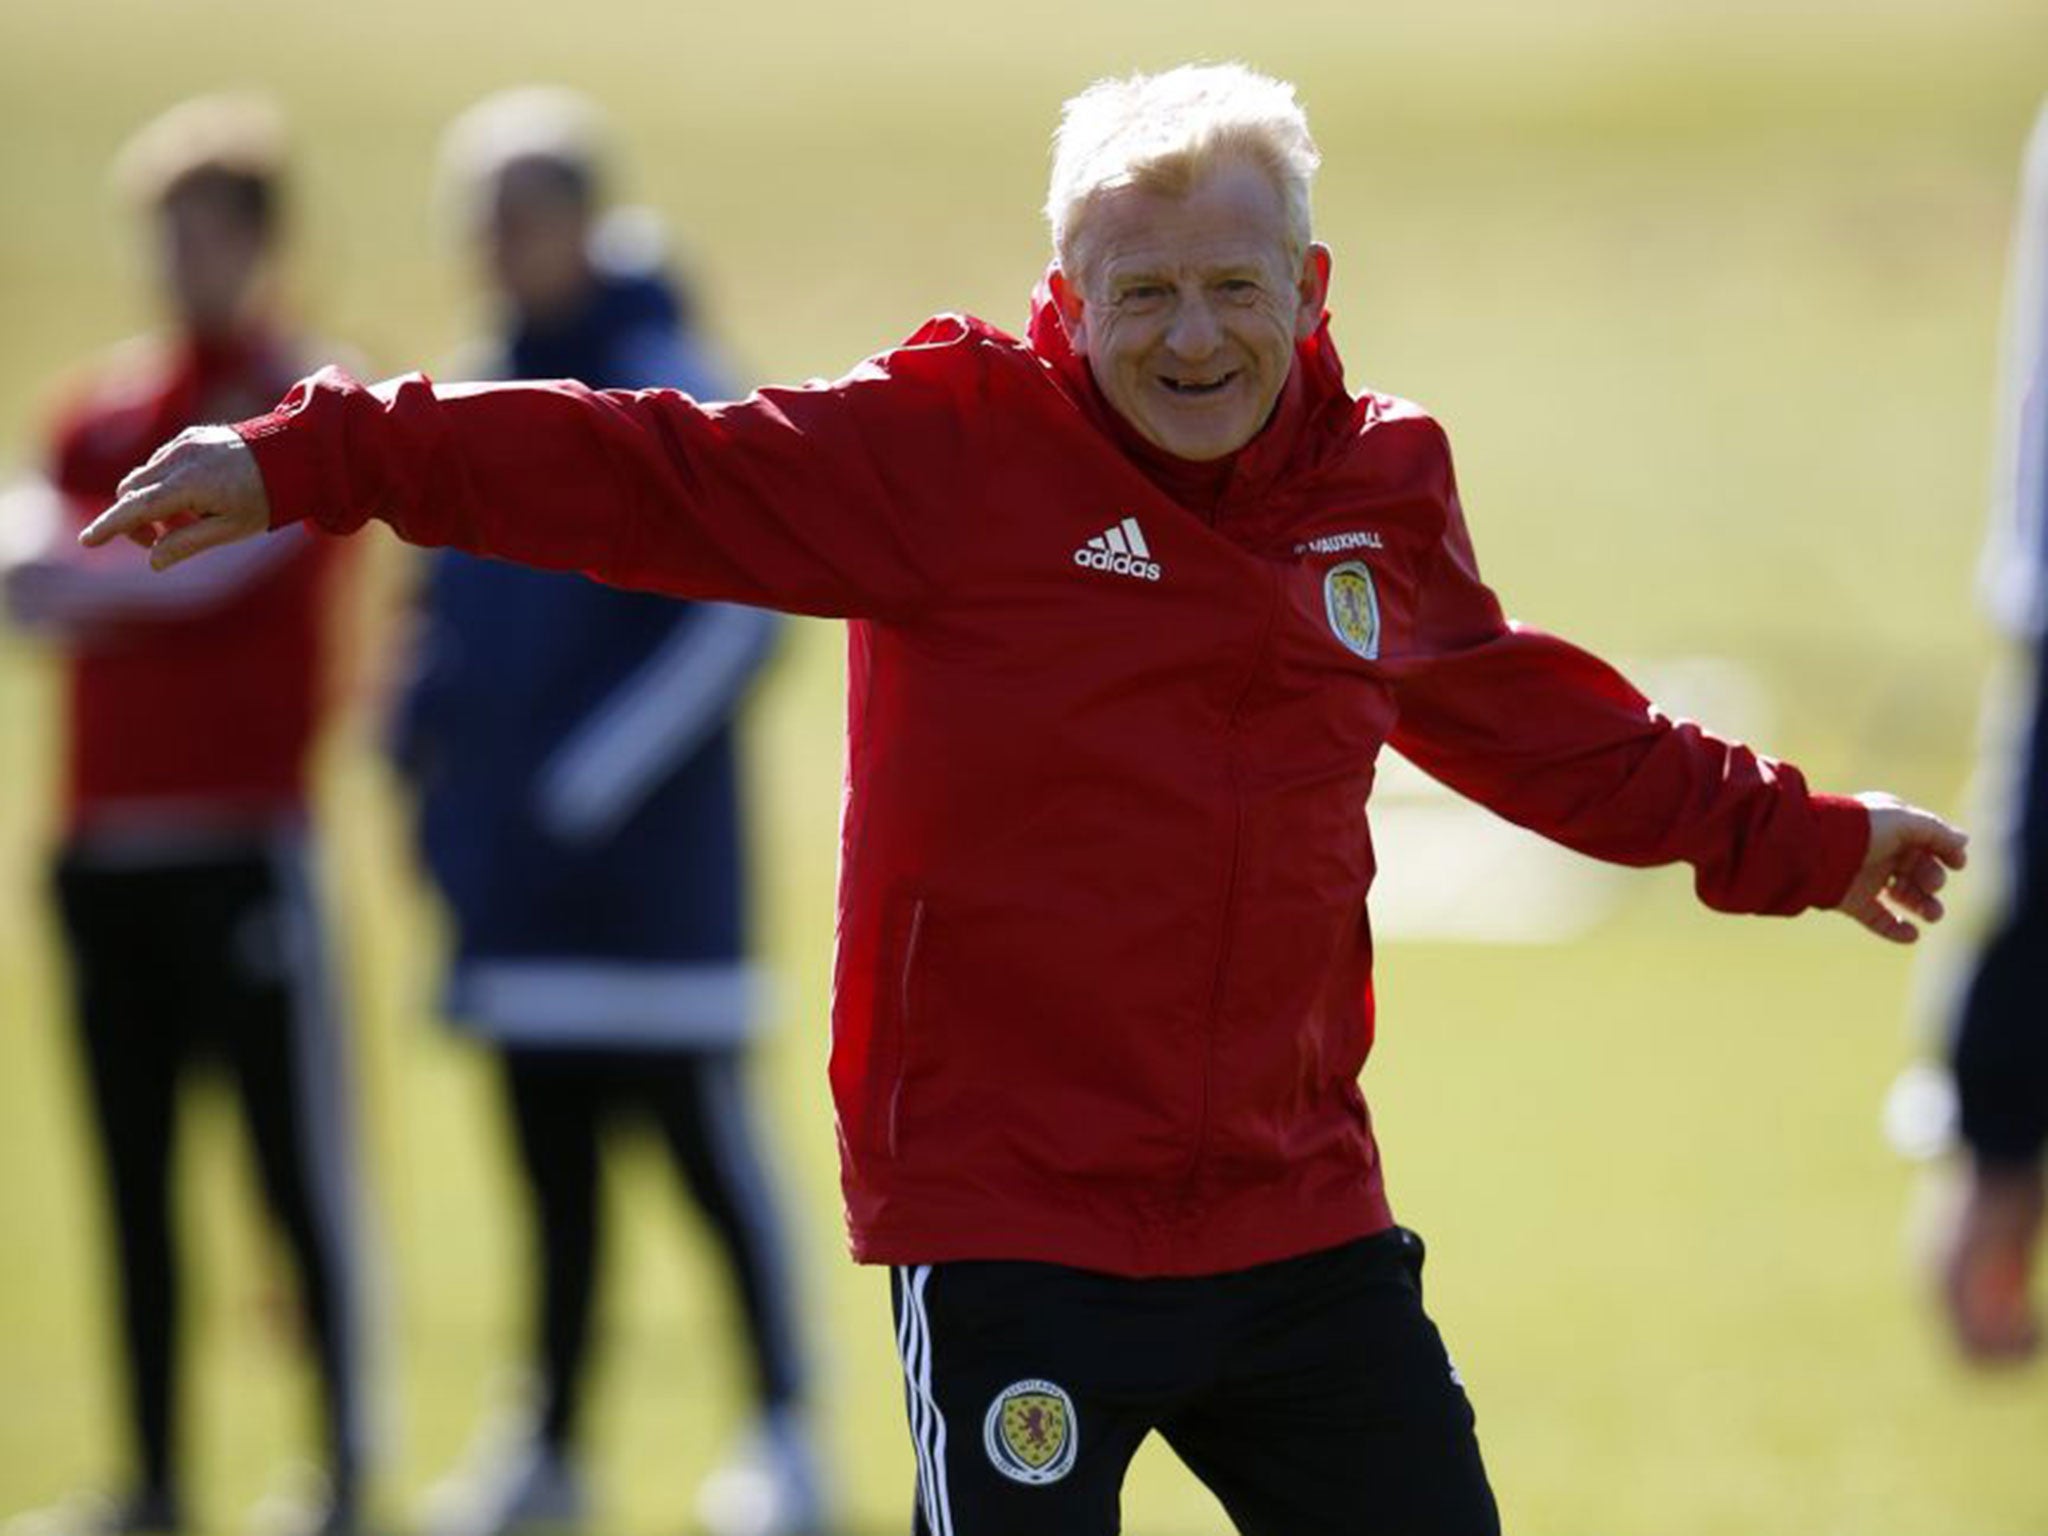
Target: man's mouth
x,y
1196,388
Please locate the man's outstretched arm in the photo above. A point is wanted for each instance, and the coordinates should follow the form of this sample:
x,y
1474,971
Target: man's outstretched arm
x,y
1556,740
829,499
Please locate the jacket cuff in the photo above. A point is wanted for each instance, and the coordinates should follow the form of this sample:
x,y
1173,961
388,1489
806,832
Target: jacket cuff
x,y
1844,840
289,480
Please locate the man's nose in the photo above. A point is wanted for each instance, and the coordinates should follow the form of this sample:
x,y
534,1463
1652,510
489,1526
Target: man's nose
x,y
1195,333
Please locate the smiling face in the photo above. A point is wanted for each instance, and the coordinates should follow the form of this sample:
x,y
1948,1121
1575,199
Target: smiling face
x,y
1188,307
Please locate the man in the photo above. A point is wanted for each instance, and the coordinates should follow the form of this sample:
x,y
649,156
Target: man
x,y
183,881
1136,603
574,750
1999,1049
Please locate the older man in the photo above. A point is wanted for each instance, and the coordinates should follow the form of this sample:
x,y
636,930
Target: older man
x,y
1136,603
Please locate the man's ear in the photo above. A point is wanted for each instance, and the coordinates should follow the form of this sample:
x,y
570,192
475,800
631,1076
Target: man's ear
x,y
1314,290
1066,297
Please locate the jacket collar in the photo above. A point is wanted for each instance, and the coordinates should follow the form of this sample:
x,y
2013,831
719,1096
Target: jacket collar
x,y
1314,417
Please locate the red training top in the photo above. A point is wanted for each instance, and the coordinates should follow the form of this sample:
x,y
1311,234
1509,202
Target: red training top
x,y
1103,980
192,696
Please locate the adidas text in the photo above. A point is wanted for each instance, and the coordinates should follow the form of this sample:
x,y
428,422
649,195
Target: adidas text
x,y
1121,551
1121,565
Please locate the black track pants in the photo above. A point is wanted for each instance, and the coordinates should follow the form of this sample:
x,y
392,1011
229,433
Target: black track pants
x,y
1312,1396
562,1102
216,960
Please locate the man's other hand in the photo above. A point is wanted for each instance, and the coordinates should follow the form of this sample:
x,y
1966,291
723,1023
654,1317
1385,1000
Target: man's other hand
x,y
1989,1248
199,491
1911,852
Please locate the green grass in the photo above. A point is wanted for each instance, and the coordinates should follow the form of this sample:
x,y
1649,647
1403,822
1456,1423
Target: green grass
x,y
1708,298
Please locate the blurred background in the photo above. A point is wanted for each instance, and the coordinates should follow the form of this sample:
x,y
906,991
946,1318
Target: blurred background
x,y
1708,299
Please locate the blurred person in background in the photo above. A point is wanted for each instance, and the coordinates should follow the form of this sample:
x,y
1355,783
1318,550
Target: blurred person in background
x,y
183,881
1136,600
1997,1021
574,751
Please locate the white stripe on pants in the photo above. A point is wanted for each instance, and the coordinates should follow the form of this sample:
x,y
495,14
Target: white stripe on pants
x,y
927,1423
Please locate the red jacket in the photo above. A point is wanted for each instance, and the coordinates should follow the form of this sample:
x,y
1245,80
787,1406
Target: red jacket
x,y
1103,983
192,703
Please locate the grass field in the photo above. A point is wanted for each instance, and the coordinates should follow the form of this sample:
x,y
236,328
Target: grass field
x,y
1707,296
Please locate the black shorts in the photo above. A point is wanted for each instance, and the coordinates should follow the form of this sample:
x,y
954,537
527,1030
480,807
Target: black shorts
x,y
1313,1396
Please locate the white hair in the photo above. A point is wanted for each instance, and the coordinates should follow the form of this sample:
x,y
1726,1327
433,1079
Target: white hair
x,y
1163,132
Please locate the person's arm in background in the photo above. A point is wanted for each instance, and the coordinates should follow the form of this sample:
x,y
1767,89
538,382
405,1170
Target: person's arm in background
x,y
694,681
837,499
32,520
1998,1052
1556,740
654,722
51,586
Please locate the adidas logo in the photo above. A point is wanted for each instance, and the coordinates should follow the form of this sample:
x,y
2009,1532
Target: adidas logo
x,y
1121,550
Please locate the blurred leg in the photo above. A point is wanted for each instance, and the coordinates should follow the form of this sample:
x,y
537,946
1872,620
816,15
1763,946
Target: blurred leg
x,y
557,1108
279,1027
133,1045
699,1098
521,1473
772,1481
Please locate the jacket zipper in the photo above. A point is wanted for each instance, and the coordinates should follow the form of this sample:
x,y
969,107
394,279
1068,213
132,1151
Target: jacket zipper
x,y
1228,931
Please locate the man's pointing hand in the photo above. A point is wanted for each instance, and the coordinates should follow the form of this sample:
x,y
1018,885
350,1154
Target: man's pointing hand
x,y
200,490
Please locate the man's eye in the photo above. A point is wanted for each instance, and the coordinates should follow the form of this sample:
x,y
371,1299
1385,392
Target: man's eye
x,y
1242,289
1144,293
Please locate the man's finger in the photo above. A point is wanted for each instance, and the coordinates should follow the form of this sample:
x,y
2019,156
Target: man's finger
x,y
192,539
1914,885
1948,844
1889,925
1915,899
146,473
135,514
1871,913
